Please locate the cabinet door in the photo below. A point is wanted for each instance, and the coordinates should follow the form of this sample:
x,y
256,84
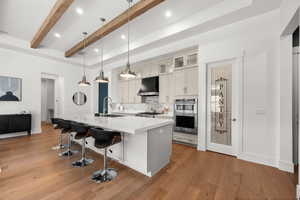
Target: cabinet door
x,y
133,88
131,93
179,83
171,88
4,123
124,91
191,79
163,88
138,84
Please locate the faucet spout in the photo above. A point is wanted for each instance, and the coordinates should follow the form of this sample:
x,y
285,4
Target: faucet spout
x,y
106,100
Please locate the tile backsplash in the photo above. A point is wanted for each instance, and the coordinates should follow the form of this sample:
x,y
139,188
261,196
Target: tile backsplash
x,y
150,105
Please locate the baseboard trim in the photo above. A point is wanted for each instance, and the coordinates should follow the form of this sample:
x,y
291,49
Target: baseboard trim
x,y
250,157
286,166
19,134
36,131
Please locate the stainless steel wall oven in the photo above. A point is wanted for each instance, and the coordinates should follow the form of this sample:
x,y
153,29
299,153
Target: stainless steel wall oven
x,y
186,116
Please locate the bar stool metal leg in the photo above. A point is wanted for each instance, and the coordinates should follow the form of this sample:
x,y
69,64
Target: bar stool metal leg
x,y
60,144
105,175
69,152
83,161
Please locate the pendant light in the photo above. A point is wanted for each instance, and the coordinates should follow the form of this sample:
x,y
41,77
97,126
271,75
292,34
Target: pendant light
x,y
84,81
101,78
127,73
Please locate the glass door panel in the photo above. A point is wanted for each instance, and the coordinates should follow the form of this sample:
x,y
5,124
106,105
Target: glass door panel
x,y
219,107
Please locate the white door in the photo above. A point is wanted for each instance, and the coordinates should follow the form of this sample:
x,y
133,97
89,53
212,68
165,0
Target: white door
x,y
222,107
295,104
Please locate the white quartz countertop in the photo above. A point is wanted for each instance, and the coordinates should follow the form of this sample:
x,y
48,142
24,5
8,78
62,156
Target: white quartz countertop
x,y
127,112
127,124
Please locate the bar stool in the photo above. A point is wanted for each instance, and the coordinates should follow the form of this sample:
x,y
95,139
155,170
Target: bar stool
x,y
67,129
57,125
81,133
103,140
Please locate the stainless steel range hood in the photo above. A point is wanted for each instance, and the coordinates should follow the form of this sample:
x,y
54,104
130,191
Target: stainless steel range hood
x,y
150,86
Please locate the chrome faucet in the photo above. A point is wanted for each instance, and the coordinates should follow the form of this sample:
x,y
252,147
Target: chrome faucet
x,y
105,108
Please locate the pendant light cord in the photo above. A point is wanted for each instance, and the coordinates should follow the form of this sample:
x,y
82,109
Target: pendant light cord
x,y
128,33
102,47
84,33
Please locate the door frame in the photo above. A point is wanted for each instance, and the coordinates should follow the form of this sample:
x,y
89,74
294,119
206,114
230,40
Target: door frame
x,y
58,93
238,58
220,148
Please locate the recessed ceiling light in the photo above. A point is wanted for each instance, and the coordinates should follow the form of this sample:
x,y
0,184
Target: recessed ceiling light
x,y
57,35
79,11
168,14
123,37
96,50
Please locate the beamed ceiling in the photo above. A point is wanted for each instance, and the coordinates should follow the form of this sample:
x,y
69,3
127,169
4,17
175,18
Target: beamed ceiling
x,y
35,22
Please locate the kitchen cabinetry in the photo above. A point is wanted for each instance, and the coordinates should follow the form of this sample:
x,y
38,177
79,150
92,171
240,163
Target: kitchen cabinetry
x,y
128,91
166,88
123,91
186,82
133,88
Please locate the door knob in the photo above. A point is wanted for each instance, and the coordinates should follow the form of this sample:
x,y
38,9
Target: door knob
x,y
234,119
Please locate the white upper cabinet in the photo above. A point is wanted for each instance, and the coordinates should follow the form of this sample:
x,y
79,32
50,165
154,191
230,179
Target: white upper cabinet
x,y
191,78
186,82
179,82
123,91
166,88
128,91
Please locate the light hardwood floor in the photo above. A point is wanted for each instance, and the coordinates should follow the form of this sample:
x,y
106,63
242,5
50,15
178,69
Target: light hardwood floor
x,y
32,171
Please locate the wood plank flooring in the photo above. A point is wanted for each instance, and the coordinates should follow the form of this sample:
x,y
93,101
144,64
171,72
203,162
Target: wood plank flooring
x,y
32,171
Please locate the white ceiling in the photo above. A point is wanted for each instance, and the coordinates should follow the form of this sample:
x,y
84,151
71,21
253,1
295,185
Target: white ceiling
x,y
22,18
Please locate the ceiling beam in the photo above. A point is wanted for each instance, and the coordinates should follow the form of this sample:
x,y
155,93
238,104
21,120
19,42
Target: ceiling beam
x,y
138,9
56,13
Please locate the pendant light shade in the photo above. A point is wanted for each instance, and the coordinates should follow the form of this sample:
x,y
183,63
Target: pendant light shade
x,y
127,73
101,78
84,82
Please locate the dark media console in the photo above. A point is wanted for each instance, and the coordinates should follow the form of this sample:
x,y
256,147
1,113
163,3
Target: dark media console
x,y
15,123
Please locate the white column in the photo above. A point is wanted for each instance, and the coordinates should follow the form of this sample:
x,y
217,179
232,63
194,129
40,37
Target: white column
x,y
286,136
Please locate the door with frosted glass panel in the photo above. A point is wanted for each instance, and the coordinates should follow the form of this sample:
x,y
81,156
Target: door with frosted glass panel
x,y
221,107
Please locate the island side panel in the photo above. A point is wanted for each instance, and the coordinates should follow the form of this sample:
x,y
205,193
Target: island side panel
x,y
135,151
159,148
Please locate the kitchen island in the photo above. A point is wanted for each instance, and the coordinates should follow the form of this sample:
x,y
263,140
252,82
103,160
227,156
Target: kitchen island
x,y
146,142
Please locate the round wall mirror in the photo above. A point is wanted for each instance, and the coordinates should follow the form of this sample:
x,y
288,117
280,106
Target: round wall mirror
x,y
79,98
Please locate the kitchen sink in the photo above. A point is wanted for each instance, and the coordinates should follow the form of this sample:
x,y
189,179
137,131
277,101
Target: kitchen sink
x,y
111,115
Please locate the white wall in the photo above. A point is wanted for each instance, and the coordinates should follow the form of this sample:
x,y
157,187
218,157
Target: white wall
x,y
30,69
286,98
288,9
261,82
